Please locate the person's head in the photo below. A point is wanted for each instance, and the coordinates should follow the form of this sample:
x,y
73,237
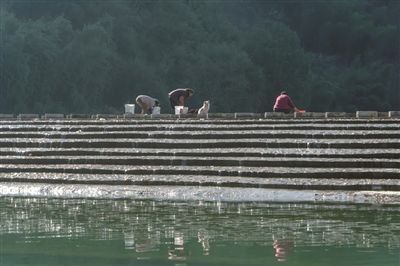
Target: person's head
x,y
284,92
189,92
156,102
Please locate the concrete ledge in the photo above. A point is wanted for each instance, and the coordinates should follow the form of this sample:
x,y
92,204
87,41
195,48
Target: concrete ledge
x,y
269,172
383,114
135,116
339,115
107,116
248,115
221,115
79,116
309,115
202,116
7,116
53,116
162,116
367,114
196,193
186,116
278,115
395,114
28,116
196,161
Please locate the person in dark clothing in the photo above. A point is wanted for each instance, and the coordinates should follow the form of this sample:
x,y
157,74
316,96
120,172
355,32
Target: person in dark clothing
x,y
178,97
284,104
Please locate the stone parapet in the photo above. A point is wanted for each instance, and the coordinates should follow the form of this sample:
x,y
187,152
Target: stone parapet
x,y
339,115
221,116
309,115
273,115
53,116
248,115
214,116
27,116
394,114
367,114
79,116
107,116
7,116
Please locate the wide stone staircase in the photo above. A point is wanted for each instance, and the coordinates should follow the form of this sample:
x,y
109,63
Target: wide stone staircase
x,y
288,153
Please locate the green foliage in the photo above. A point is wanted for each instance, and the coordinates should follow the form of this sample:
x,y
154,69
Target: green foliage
x,y
94,56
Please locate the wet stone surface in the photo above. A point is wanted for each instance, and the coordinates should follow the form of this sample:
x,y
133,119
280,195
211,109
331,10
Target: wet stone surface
x,y
258,154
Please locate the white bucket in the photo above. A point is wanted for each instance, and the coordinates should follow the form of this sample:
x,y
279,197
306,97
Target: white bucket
x,y
156,110
181,110
129,108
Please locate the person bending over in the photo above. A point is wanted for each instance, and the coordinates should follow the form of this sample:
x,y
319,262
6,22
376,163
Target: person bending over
x,y
146,103
284,104
178,97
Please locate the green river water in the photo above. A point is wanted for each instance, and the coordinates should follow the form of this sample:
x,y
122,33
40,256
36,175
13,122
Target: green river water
x,y
44,232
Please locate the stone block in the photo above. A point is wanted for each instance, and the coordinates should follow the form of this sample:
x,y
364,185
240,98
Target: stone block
x,y
383,114
202,116
162,116
309,115
278,115
53,116
28,116
367,114
394,114
7,116
221,116
107,116
135,116
248,115
336,115
186,116
79,116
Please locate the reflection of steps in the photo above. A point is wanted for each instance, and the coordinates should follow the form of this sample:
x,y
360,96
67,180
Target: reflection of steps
x,y
354,154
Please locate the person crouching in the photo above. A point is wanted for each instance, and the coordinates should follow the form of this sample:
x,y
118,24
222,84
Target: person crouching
x,y
284,104
146,103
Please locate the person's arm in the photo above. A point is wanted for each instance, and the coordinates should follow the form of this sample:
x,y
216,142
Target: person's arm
x,y
291,104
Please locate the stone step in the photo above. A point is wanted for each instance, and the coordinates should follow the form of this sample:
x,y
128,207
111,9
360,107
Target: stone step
x,y
202,161
208,152
216,122
206,134
347,154
201,180
255,172
196,143
191,127
209,135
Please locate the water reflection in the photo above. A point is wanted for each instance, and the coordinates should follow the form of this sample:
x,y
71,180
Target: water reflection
x,y
282,249
115,232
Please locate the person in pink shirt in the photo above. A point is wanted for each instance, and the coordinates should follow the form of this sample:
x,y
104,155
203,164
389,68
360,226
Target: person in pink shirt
x,y
284,104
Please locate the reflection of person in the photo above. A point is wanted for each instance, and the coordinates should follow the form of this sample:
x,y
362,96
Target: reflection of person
x,y
177,253
203,238
147,103
284,104
178,97
281,249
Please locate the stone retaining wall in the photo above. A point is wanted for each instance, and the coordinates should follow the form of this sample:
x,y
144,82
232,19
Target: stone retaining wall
x,y
323,151
272,115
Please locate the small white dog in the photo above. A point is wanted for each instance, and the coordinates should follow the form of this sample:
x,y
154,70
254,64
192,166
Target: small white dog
x,y
205,108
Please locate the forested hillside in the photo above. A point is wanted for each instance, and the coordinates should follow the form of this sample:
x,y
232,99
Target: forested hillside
x,y
73,56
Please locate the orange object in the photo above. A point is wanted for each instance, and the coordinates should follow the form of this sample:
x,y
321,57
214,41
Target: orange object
x,y
300,111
